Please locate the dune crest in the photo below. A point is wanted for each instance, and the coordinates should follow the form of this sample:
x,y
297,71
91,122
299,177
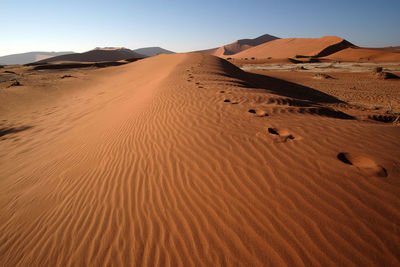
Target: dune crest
x,y
357,54
238,46
146,164
96,55
296,47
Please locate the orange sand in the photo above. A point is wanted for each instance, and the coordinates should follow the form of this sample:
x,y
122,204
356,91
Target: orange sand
x,y
354,54
238,46
185,160
292,47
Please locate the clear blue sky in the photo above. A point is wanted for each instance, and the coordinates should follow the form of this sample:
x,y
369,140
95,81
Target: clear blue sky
x,y
58,25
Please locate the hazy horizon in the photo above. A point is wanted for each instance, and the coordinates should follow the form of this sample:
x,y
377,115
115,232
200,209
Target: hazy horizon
x,y
183,26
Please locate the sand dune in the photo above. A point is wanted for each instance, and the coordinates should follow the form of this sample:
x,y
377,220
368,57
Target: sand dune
x,y
152,51
185,160
296,47
354,54
24,58
95,55
238,46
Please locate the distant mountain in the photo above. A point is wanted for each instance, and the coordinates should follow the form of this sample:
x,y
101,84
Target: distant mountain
x,y
296,48
152,51
29,57
239,46
96,55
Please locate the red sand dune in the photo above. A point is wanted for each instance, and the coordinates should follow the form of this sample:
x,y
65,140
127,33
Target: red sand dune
x,y
354,54
292,47
238,46
185,160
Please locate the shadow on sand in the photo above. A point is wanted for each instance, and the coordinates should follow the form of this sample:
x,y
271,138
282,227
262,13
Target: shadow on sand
x,y
301,96
11,130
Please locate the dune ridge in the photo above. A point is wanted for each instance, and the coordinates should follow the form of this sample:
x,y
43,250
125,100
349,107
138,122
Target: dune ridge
x,y
24,58
95,55
297,47
238,46
354,54
148,165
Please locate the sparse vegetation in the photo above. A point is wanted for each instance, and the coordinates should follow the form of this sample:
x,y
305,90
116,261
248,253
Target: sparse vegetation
x,y
386,75
253,58
383,75
229,58
269,57
397,120
9,72
331,65
322,76
15,83
299,68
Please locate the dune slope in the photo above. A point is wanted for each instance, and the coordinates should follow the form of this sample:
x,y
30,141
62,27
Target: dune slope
x,y
354,54
24,58
238,46
152,51
95,55
185,160
292,47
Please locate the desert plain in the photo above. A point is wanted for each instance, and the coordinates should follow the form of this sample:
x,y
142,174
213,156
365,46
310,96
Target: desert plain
x,y
195,159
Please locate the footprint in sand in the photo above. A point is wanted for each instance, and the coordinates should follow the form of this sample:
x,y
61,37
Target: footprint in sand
x,y
222,92
230,101
259,112
364,163
283,134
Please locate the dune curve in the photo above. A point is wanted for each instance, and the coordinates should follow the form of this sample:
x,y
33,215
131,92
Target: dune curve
x,y
147,165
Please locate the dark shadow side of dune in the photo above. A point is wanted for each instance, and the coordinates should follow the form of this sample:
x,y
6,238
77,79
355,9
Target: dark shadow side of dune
x,y
297,92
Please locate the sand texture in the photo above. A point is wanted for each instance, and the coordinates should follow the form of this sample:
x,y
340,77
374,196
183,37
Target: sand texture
x,y
295,47
186,160
238,46
95,55
354,54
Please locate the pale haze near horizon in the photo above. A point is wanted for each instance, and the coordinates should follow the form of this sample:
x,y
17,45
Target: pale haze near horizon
x,y
183,26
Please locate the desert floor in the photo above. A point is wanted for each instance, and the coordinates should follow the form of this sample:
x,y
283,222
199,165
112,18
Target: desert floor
x,y
186,160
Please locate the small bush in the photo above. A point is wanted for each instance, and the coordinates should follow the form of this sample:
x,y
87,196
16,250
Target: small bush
x,y
269,57
253,58
299,68
378,69
386,75
246,58
322,76
229,58
15,83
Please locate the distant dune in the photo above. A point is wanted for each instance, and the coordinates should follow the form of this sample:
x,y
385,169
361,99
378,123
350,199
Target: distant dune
x,y
296,47
96,55
238,46
392,48
152,51
354,54
29,57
